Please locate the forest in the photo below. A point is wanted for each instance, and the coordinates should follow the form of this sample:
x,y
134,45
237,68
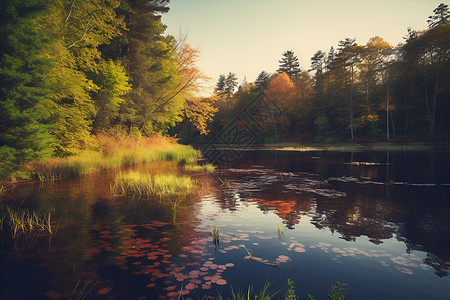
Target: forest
x,y
356,92
71,71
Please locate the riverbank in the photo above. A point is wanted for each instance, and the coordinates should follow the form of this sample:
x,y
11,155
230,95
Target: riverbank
x,y
334,147
106,152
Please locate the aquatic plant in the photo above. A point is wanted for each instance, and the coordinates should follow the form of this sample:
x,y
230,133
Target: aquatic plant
x,y
280,232
264,294
290,292
111,154
338,291
135,184
225,183
81,292
21,222
207,168
175,205
2,190
216,233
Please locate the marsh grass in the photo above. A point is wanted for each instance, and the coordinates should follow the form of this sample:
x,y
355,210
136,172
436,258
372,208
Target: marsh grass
x,y
175,205
337,291
111,153
264,294
80,292
22,223
207,168
225,183
163,186
280,233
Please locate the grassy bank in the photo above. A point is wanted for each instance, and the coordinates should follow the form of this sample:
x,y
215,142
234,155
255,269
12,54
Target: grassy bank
x,y
375,147
108,152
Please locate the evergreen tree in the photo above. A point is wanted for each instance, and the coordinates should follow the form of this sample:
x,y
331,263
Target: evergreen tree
x,y
155,102
262,79
289,64
24,86
220,85
441,16
317,62
230,83
330,58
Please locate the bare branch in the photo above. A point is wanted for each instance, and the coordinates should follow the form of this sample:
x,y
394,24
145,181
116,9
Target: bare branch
x,y
70,11
86,29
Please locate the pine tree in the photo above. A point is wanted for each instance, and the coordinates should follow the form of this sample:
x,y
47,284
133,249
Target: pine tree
x,y
262,79
230,83
220,85
317,62
24,86
289,64
441,16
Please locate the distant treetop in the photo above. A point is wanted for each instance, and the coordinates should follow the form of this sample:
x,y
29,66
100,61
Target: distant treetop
x,y
441,16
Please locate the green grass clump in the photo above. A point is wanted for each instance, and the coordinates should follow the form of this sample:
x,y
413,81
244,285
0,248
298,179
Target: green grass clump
x,y
135,184
208,168
338,291
91,161
21,222
264,294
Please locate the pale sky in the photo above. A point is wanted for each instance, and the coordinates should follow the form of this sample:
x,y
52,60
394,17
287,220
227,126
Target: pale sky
x,y
248,36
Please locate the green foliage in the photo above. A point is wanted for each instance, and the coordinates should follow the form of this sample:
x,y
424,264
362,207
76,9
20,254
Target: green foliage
x,y
290,292
112,80
338,291
24,87
264,294
208,168
134,184
289,64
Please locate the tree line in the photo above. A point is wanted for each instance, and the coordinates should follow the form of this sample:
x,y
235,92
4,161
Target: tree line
x,y
70,69
368,92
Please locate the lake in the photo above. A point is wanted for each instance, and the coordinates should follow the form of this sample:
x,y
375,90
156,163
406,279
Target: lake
x,y
376,221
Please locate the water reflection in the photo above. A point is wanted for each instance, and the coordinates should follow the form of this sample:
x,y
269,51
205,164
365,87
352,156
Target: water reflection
x,y
372,199
134,249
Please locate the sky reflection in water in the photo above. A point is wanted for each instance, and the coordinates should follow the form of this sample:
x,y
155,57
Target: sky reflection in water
x,y
385,240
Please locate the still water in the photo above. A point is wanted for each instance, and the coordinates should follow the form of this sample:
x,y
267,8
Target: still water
x,y
378,221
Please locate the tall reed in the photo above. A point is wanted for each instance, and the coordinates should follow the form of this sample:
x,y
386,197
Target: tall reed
x,y
21,222
135,184
112,153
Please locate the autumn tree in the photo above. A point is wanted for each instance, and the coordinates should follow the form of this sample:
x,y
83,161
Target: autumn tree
x,y
282,90
374,56
289,64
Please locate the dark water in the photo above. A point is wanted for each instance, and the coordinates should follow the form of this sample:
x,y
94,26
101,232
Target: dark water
x,y
378,221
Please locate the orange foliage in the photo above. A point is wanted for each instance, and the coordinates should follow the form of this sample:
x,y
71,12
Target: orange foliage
x,y
200,111
281,89
192,79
